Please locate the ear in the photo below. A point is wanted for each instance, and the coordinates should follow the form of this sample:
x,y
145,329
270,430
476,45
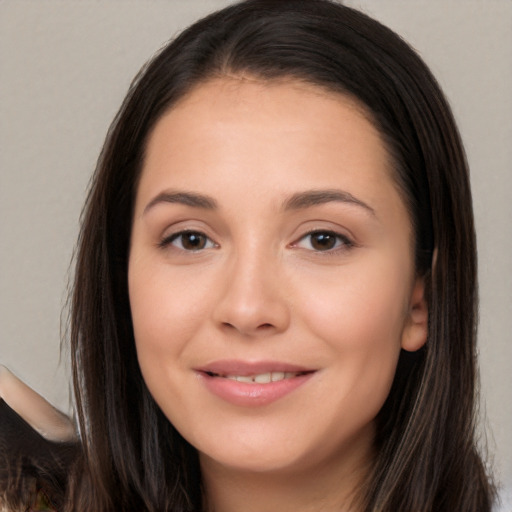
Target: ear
x,y
415,332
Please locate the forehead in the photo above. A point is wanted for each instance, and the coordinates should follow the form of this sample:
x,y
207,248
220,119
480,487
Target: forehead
x,y
269,104
283,103
258,136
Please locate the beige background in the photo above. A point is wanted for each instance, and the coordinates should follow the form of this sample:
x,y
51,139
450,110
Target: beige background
x,y
64,68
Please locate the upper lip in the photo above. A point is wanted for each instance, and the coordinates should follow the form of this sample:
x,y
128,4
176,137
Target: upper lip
x,y
239,367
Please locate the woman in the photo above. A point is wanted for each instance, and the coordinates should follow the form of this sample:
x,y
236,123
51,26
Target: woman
x,y
275,284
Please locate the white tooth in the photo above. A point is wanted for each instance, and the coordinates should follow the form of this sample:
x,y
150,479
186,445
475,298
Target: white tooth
x,y
289,375
244,378
277,376
231,377
262,378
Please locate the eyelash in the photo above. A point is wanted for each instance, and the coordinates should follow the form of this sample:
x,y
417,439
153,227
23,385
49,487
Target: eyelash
x,y
342,242
180,234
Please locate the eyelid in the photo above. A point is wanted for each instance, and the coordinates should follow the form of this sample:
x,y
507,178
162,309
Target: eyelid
x,y
168,240
347,242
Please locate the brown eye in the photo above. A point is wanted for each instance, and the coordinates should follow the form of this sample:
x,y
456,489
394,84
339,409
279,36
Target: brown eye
x,y
189,241
323,241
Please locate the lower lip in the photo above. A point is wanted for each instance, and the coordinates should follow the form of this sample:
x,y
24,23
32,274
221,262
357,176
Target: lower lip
x,y
248,394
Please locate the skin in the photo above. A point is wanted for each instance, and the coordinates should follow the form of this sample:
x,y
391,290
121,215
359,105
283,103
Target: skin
x,y
34,409
260,289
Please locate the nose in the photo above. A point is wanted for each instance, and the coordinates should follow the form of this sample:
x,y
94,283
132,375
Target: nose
x,y
253,300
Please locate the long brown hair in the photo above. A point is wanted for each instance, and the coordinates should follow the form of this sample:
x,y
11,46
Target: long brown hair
x,y
427,459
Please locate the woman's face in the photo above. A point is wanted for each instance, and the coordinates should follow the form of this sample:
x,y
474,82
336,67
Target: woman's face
x,y
271,275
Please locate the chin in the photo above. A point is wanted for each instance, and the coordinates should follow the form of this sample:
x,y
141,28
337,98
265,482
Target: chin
x,y
250,460
286,450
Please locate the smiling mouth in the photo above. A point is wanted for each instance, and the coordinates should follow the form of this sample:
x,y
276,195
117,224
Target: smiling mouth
x,y
253,384
260,378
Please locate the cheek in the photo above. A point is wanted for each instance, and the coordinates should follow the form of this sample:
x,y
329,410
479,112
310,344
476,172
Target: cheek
x,y
360,315
166,312
350,302
164,301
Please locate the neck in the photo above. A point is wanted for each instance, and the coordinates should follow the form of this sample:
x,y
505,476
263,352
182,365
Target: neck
x,y
331,485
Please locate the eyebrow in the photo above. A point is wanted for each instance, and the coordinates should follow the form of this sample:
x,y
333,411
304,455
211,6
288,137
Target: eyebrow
x,y
311,198
298,201
186,198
